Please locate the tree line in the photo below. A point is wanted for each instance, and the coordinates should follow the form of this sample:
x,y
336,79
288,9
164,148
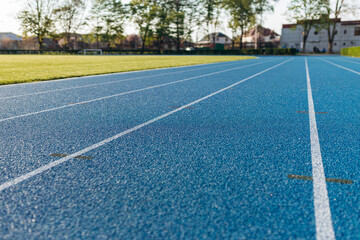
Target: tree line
x,y
164,19
154,19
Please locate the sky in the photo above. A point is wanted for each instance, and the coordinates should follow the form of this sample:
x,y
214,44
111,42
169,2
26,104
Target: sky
x,y
10,8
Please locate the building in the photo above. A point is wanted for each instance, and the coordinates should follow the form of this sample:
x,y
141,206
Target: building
x,y
218,39
265,38
9,40
348,35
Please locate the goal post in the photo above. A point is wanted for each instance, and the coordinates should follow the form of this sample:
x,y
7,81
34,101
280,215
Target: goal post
x,y
91,52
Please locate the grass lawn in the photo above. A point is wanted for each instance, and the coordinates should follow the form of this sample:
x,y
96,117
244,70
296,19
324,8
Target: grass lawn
x,y
30,68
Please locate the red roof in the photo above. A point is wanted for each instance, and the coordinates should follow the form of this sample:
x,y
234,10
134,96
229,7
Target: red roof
x,y
289,25
261,30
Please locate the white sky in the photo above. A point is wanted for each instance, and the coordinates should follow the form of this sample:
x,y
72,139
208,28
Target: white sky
x,y
10,8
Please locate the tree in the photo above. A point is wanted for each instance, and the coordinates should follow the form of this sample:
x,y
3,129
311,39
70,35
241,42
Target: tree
x,y
211,15
261,7
95,21
242,15
162,25
144,13
37,19
334,12
70,17
192,19
184,16
306,13
178,19
109,17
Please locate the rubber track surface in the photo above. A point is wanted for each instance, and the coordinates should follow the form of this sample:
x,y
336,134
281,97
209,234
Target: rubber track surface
x,y
195,159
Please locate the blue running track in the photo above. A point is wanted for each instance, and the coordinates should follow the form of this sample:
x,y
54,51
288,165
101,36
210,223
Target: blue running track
x,y
267,148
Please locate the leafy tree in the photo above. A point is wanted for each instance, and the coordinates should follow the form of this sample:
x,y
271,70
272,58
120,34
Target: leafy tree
x,y
183,15
37,19
162,25
332,12
109,17
242,16
70,17
263,6
305,13
211,14
95,21
192,19
144,13
178,19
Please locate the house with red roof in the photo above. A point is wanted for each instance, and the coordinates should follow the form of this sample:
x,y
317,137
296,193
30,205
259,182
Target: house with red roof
x,y
261,37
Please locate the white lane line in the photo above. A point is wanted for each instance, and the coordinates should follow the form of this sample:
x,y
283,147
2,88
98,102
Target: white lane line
x,y
323,221
99,144
119,73
117,81
340,66
341,59
123,93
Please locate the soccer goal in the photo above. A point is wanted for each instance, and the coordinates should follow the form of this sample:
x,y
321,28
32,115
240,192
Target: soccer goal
x,y
91,52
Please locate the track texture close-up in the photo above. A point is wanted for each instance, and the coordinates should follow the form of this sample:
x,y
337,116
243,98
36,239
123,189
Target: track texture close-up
x,y
267,148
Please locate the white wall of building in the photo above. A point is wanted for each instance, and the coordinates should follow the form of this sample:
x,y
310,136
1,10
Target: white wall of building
x,y
345,37
223,40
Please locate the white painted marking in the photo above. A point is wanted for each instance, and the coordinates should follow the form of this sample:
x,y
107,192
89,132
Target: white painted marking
x,y
123,93
116,81
99,144
323,221
341,59
340,66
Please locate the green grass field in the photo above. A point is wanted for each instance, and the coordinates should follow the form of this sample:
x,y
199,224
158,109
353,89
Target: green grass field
x,y
30,68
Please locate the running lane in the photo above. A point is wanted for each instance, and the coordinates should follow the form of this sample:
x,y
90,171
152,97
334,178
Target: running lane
x,y
343,63
337,94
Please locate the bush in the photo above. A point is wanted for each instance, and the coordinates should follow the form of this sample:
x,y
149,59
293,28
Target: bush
x,y
352,51
268,51
205,51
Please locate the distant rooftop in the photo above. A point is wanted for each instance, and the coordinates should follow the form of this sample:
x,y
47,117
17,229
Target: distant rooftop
x,y
212,35
356,22
262,30
9,35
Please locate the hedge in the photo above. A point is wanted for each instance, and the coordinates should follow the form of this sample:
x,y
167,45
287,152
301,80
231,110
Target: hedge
x,y
267,51
352,51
